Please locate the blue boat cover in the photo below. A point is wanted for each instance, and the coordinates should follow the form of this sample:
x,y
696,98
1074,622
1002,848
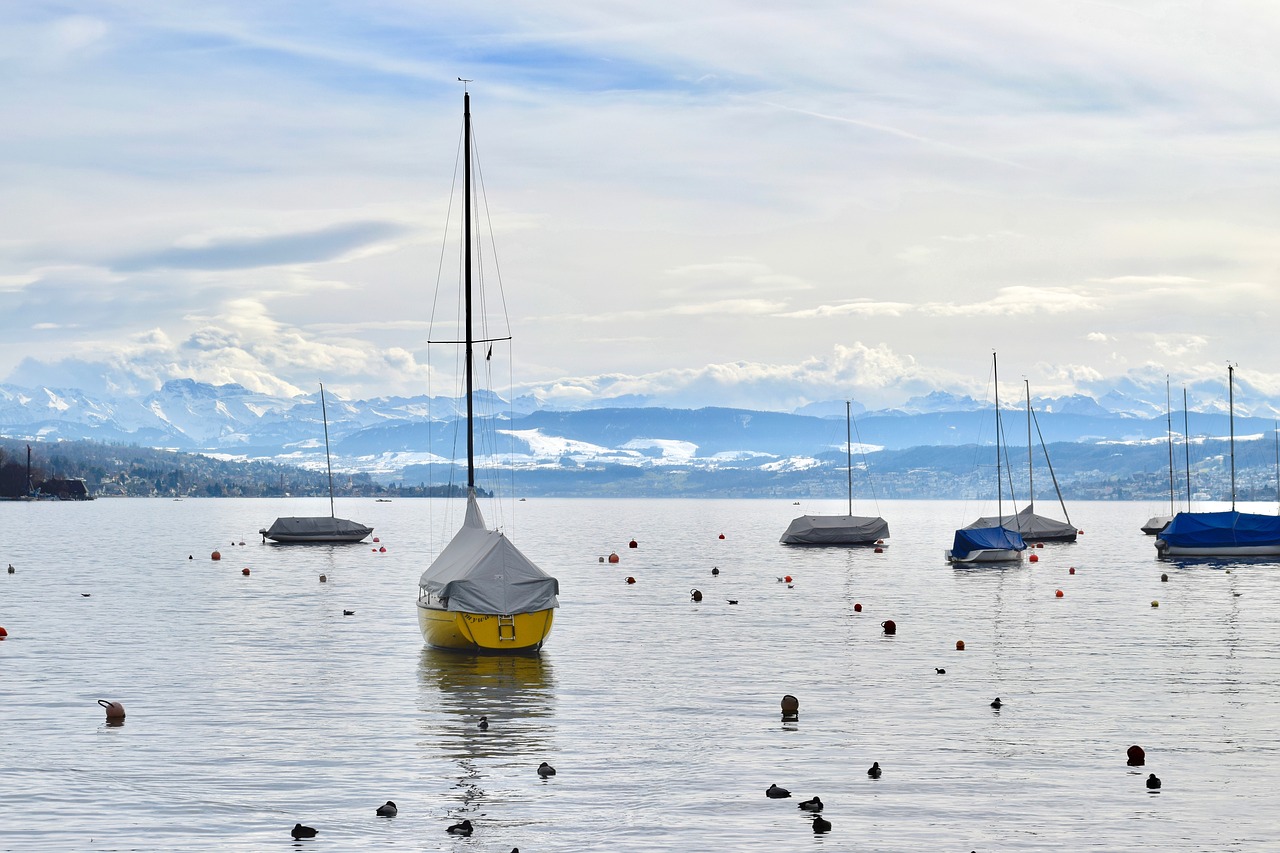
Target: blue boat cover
x,y
1221,529
985,538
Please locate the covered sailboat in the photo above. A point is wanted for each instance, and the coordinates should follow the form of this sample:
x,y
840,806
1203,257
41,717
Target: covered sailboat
x,y
481,594
318,529
1222,534
992,542
1032,525
838,529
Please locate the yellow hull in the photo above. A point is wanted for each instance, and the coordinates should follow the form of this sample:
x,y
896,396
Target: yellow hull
x,y
520,633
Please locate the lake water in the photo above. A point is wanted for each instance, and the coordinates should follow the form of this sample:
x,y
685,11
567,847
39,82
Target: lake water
x,y
254,703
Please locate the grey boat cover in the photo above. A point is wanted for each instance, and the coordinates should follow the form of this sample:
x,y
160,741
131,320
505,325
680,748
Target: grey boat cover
x,y
1030,525
480,571
317,529
835,530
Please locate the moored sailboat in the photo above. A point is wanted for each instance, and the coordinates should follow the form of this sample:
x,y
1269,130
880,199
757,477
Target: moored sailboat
x,y
838,529
1222,534
994,542
318,529
481,594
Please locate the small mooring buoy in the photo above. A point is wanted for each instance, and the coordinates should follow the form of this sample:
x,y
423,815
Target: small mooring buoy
x,y
244,572
382,549
715,571
889,626
1137,756
1057,594
633,544
959,645
857,608
695,594
630,579
115,712
1071,571
324,578
790,709
721,535
216,555
879,550
1155,604
613,558
1034,558
602,559
3,632
1164,578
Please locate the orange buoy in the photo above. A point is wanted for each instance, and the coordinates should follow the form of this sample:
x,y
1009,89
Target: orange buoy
x,y
216,555
959,645
1034,558
1137,756
857,608
630,579
1057,594
633,544
721,535
115,711
244,571
787,578
613,558
890,627
790,709
1071,571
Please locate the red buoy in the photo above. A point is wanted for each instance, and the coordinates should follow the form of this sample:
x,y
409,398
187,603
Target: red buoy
x,y
216,555
613,558
1057,594
1071,571
721,535
1034,558
1039,544
633,544
890,627
857,608
3,632
630,579
115,711
879,550
790,709
376,539
382,549
1137,756
959,645
787,579
244,571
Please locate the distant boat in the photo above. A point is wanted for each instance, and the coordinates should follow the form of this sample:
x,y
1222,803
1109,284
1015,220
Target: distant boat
x,y
1159,522
991,543
1222,534
1038,528
299,530
481,594
838,529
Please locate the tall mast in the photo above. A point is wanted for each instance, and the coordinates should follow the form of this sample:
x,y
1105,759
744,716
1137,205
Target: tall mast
x,y
1231,413
1168,431
848,448
1031,487
466,248
1186,444
327,464
995,381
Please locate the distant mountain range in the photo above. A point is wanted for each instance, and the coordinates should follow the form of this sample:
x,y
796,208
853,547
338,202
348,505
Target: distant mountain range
x,y
395,438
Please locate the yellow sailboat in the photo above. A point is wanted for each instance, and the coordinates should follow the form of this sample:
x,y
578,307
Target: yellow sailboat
x,y
481,594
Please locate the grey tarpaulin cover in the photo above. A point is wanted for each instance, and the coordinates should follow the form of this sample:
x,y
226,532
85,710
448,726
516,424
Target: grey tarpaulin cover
x,y
480,571
316,528
1031,526
835,530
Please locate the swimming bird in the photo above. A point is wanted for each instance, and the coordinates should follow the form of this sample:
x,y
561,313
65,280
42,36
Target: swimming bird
x,y
814,805
1153,782
300,831
463,828
773,792
716,570
545,770
11,569
939,670
388,810
732,600
996,703
874,770
348,613
484,723
85,594
821,824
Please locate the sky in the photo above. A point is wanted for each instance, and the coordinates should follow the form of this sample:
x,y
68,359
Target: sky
x,y
701,204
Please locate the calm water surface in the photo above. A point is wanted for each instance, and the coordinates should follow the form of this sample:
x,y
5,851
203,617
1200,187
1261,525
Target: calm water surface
x,y
253,703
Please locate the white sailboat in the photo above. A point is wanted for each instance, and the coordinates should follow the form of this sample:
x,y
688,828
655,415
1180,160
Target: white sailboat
x,y
303,530
838,529
481,594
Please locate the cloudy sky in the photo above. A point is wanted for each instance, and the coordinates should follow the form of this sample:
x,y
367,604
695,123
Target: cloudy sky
x,y
701,204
